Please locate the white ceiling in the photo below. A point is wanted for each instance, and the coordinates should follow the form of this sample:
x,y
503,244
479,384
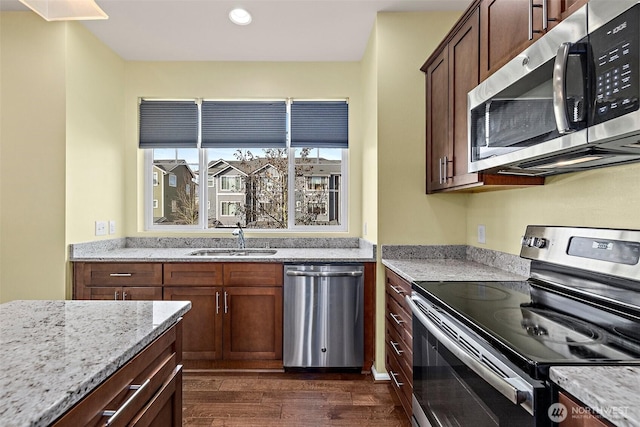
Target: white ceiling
x,y
285,30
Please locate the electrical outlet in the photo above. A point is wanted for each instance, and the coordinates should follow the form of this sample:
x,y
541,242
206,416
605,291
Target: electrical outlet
x,y
482,237
364,229
112,227
101,228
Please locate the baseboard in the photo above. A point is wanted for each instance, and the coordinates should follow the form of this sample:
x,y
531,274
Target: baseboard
x,y
378,376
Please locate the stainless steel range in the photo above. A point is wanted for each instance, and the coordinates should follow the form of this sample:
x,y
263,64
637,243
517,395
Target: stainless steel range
x,y
482,350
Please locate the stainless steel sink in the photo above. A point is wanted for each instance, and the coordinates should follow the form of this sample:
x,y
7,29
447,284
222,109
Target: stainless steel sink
x,y
234,252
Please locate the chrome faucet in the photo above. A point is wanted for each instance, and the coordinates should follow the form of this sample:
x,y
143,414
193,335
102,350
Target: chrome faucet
x,y
240,233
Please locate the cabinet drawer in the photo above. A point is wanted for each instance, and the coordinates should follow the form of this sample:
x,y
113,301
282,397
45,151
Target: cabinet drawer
x,y
193,274
397,288
253,274
121,274
132,388
400,350
400,319
399,381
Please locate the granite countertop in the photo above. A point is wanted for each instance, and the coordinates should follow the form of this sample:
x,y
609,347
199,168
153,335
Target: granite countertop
x,y
179,250
611,391
453,263
448,270
53,353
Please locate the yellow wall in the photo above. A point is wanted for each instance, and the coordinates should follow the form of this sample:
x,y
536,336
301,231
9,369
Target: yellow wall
x,y
32,134
232,80
369,70
607,197
62,149
406,215
95,136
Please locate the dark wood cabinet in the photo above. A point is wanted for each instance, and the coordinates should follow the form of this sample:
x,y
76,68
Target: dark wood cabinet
x,y
252,326
236,312
437,74
202,336
147,391
582,415
451,72
399,338
510,26
117,281
236,309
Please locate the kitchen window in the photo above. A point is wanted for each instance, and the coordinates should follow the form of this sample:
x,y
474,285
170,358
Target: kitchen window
x,y
261,161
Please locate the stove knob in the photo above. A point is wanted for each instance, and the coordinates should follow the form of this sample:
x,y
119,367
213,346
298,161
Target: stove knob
x,y
539,242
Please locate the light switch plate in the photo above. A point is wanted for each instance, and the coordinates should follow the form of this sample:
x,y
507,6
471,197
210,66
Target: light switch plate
x,y
101,228
112,227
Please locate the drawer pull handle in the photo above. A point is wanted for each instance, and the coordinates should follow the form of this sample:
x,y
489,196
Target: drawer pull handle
x,y
395,318
120,274
395,347
397,290
393,377
113,415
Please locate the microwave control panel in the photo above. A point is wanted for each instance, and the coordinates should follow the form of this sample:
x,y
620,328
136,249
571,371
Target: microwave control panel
x,y
616,48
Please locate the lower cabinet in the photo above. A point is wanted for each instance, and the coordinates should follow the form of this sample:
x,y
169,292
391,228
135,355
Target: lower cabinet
x,y
399,338
202,336
236,308
585,417
252,323
147,391
236,311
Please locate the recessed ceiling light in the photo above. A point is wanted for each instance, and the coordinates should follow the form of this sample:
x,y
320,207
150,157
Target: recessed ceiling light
x,y
240,16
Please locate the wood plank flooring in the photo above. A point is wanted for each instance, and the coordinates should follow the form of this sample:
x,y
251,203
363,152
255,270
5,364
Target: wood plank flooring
x,y
288,399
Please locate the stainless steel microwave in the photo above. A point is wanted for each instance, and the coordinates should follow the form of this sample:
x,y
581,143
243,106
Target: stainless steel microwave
x,y
569,102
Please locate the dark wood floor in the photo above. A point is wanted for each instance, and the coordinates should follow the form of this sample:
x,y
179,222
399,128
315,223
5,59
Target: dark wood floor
x,y
288,399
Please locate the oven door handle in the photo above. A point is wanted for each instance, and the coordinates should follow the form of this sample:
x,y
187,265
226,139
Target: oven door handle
x,y
501,384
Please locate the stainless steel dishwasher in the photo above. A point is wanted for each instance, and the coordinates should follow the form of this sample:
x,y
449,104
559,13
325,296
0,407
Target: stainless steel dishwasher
x,y
323,316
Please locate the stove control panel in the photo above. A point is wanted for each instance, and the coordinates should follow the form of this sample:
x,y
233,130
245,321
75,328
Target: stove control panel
x,y
534,242
608,251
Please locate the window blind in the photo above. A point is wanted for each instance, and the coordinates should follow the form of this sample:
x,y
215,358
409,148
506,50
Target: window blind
x,y
244,124
323,124
168,124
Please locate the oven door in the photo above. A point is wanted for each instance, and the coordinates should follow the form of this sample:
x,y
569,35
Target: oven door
x,y
459,380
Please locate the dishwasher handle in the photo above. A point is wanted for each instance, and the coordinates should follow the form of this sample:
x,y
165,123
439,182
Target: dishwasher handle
x,y
300,273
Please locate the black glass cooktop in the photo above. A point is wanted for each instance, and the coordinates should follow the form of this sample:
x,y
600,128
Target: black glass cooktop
x,y
532,334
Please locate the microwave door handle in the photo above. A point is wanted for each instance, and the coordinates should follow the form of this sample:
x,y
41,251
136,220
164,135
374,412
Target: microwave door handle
x,y
559,89
502,385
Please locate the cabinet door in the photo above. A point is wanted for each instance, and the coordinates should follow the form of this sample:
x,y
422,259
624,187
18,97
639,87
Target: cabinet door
x,y
437,110
252,327
202,325
463,77
505,31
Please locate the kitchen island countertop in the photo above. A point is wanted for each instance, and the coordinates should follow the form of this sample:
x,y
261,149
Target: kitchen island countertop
x,y
54,353
611,391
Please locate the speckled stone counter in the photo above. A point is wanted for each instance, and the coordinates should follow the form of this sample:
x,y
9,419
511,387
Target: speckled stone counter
x,y
180,249
453,263
53,353
613,392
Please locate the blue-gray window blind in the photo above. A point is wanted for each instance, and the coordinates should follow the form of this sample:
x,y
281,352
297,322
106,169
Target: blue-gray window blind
x,y
168,124
244,124
323,124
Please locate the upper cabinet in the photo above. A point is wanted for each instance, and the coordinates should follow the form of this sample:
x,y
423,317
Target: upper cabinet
x,y
451,72
507,27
